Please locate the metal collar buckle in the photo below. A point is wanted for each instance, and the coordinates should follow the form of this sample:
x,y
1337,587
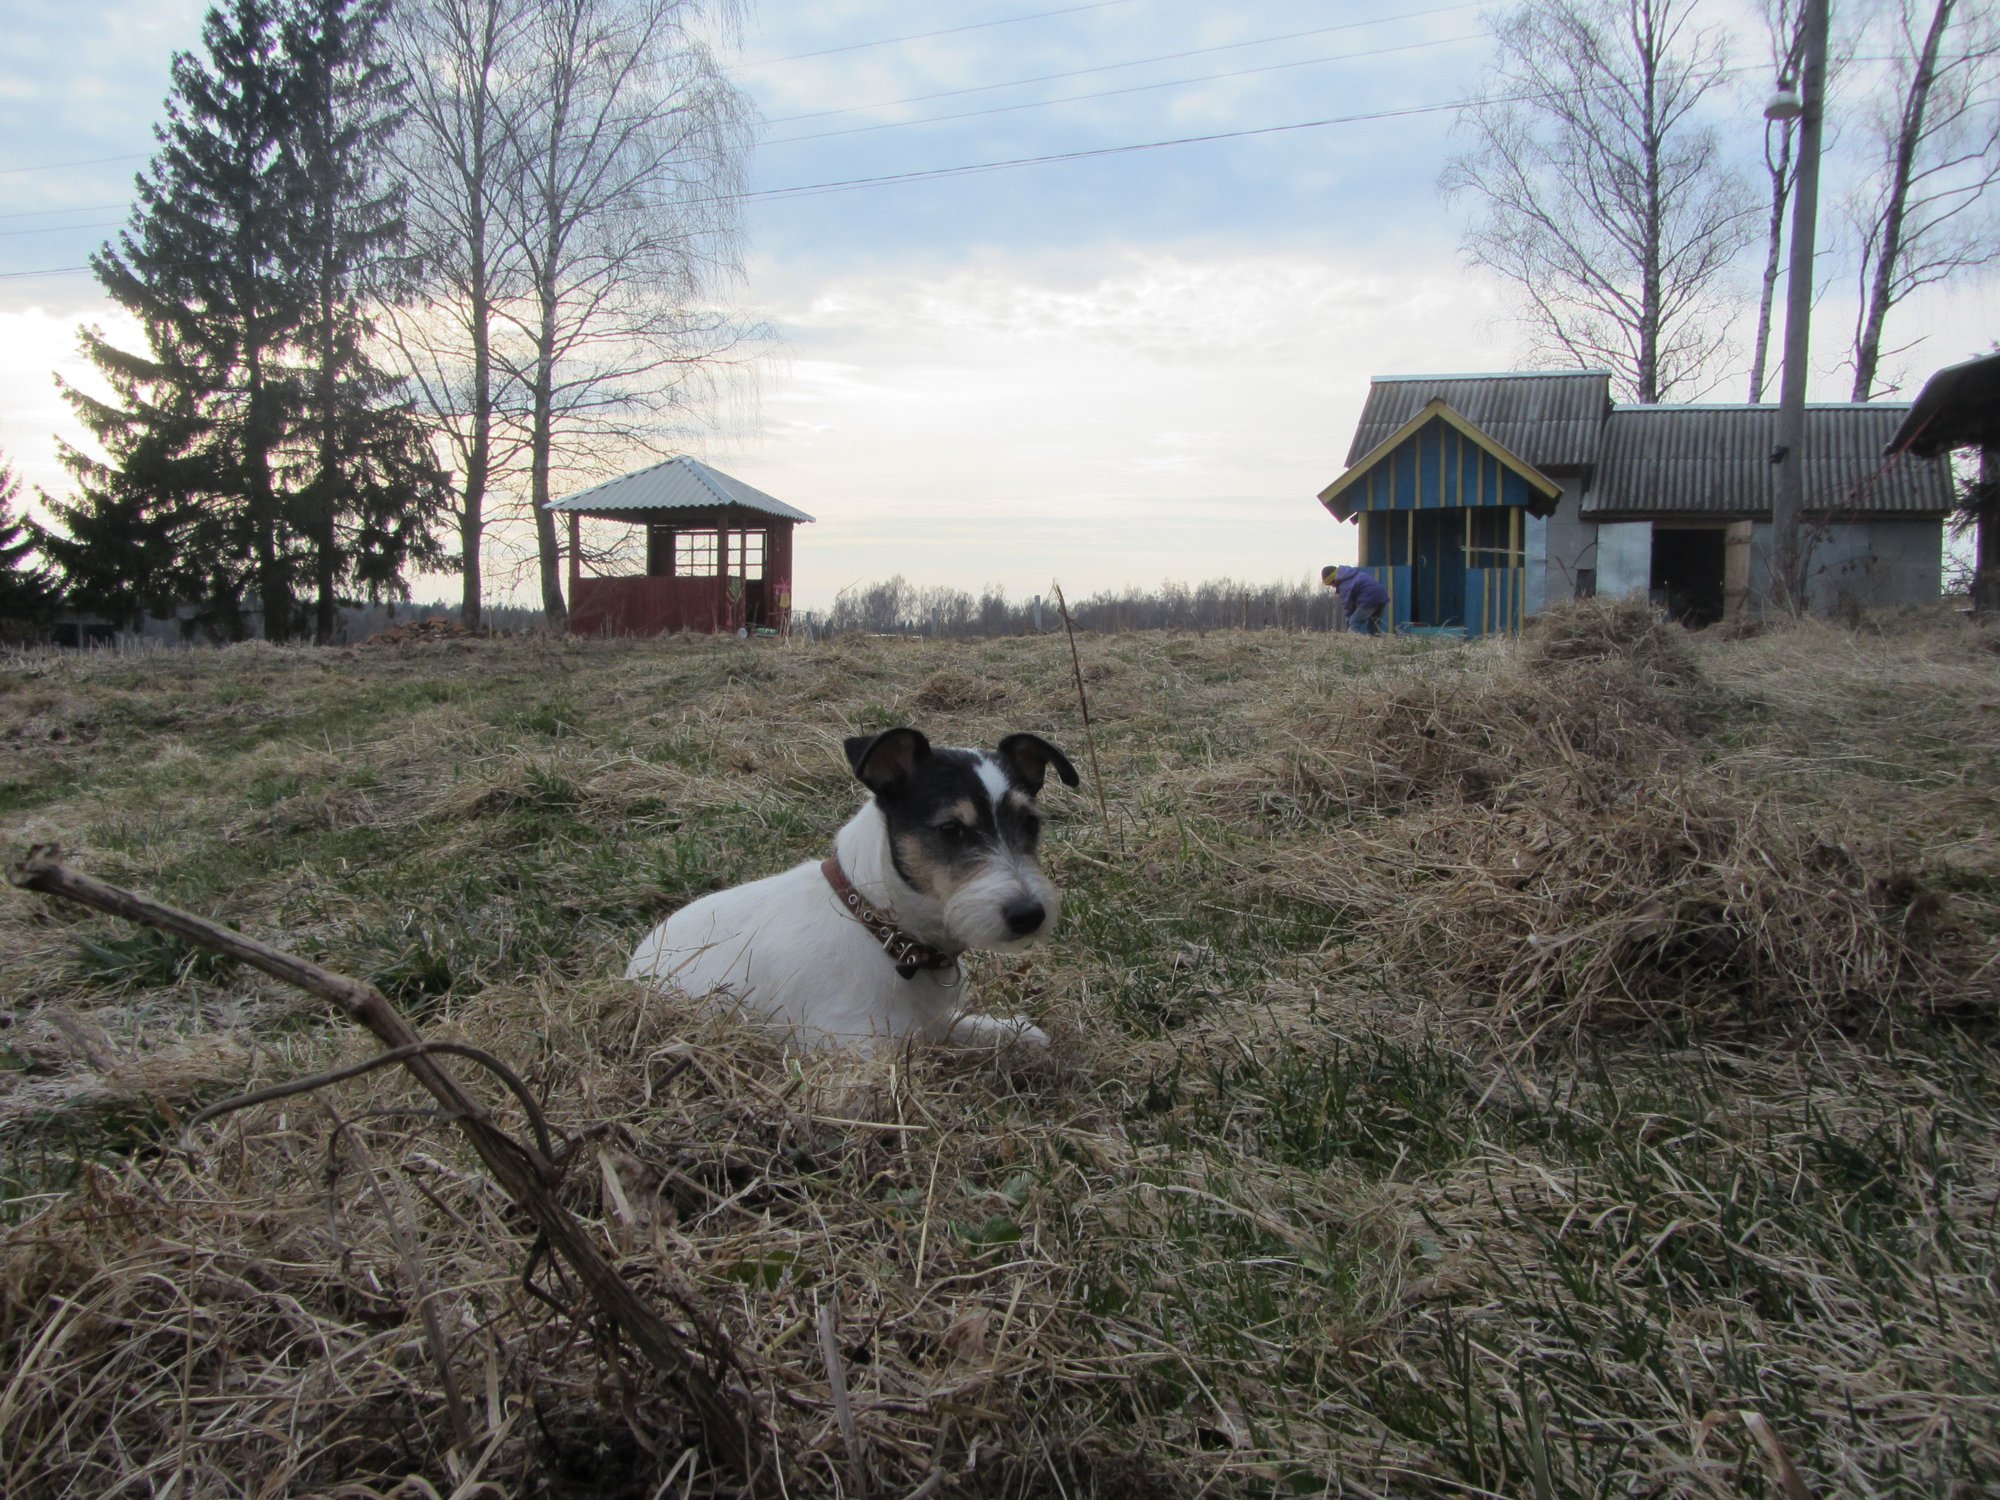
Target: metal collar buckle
x,y
907,953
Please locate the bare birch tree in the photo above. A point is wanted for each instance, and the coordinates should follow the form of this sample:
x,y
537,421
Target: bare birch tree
x,y
628,142
461,57
1601,191
1930,212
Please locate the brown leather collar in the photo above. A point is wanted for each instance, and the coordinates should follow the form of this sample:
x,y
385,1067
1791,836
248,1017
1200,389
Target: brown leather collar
x,y
908,954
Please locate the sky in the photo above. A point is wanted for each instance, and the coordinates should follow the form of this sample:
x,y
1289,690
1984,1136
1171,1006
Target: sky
x,y
1134,364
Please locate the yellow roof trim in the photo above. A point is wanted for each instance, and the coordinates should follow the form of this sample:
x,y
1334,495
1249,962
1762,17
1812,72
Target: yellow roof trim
x,y
1436,407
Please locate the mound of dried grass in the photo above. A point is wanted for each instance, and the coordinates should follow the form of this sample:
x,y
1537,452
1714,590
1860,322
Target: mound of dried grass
x,y
951,691
1687,908
1562,840
329,1295
1627,630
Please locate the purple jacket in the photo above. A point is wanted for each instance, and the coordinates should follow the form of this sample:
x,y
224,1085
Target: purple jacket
x,y
1358,590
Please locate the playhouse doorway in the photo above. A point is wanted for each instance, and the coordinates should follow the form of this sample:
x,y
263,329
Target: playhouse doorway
x,y
1438,577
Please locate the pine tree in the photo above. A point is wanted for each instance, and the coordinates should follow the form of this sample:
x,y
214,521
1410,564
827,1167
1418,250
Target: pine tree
x,y
370,492
255,455
188,508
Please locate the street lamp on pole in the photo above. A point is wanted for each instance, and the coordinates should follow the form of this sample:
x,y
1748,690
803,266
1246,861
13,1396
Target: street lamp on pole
x,y
1788,581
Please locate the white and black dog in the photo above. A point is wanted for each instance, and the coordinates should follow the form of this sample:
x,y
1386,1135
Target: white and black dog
x,y
863,947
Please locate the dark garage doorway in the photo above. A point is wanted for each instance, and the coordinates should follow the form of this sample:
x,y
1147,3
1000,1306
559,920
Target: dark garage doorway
x,y
1687,573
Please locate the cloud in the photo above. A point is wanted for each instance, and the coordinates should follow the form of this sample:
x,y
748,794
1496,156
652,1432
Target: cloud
x,y
1116,421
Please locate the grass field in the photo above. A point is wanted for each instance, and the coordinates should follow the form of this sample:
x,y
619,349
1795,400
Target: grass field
x,y
1564,1067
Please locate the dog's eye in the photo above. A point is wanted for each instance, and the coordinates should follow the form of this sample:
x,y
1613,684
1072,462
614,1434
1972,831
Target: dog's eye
x,y
954,832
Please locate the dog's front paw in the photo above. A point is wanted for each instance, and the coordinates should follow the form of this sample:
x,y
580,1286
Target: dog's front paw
x,y
1025,1033
998,1031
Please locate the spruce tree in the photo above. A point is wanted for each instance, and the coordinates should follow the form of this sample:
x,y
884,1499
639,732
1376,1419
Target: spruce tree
x,y
189,509
256,456
370,493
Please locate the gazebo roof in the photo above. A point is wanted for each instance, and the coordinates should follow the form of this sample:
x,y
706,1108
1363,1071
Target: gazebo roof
x,y
681,483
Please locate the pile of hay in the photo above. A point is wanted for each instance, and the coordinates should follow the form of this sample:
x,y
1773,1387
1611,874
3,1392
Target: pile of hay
x,y
329,1290
1567,840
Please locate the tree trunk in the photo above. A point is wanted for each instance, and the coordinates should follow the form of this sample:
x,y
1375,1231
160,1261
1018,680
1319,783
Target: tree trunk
x,y
274,598
326,613
1889,246
1774,242
541,443
326,497
1649,288
479,452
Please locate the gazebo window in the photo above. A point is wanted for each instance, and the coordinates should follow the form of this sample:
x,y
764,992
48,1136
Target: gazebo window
x,y
694,554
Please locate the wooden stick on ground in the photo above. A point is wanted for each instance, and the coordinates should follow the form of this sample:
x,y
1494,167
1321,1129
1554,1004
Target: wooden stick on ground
x,y
525,1172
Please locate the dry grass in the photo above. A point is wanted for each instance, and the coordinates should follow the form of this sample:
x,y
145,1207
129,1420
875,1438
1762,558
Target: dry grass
x,y
1476,1070
1591,831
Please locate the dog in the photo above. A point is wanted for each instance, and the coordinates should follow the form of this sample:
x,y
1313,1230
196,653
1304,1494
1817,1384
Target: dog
x,y
862,948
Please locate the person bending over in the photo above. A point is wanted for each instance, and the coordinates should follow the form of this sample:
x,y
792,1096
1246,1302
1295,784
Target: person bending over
x,y
1361,596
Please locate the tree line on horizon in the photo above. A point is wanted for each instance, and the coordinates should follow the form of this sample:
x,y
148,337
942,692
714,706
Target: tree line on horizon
x,y
401,267
895,606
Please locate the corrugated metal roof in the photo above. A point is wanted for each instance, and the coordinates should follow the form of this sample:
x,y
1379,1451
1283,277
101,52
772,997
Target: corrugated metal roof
x,y
1451,484
1552,418
1716,460
1959,407
678,484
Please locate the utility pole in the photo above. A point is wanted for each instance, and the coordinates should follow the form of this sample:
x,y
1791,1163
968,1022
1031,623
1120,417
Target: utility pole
x,y
1788,580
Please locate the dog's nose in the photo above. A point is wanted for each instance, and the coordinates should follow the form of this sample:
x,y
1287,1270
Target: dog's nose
x,y
1024,917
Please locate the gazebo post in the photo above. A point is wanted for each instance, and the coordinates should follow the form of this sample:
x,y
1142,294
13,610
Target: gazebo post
x,y
575,553
722,570
778,575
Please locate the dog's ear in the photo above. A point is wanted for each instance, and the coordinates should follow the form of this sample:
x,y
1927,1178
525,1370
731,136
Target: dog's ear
x,y
1031,756
882,760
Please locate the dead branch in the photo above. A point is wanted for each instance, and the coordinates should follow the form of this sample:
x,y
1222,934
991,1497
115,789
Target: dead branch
x,y
1083,702
395,1055
525,1173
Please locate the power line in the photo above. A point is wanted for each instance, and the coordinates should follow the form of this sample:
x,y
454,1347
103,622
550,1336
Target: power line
x,y
920,36
851,184
1137,88
59,229
1137,62
931,174
92,161
43,213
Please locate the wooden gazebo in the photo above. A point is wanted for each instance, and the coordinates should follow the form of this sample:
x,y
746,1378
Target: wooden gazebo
x,y
718,554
